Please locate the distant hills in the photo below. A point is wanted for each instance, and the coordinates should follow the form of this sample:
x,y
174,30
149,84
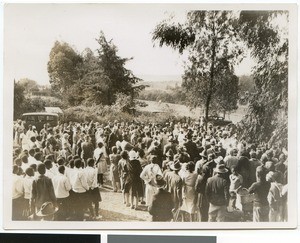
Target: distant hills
x,y
161,82
159,78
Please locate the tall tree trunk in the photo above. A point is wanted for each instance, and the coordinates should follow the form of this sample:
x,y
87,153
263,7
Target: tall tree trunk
x,y
212,70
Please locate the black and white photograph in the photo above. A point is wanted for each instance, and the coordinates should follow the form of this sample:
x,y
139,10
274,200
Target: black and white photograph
x,y
150,116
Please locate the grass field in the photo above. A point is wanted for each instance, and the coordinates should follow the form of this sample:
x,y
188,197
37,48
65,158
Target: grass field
x,y
182,110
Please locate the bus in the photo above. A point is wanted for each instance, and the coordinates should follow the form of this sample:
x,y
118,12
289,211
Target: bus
x,y
38,119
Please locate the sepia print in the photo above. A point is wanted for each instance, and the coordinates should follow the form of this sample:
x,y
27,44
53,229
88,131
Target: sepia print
x,y
162,115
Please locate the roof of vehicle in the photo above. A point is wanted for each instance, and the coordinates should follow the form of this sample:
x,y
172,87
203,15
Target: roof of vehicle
x,y
39,113
53,109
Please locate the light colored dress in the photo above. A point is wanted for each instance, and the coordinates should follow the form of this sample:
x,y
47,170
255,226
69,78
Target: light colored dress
x,y
148,175
189,196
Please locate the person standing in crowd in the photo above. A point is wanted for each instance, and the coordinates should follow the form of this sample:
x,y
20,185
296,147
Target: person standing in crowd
x,y
62,186
232,159
87,149
253,164
236,182
27,183
174,186
189,195
100,158
134,170
217,193
275,197
261,190
191,147
124,177
93,194
79,187
42,189
203,205
112,139
161,204
243,168
17,195
171,145
148,175
114,172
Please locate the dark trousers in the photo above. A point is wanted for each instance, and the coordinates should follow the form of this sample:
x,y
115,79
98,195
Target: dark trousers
x,y
80,204
100,179
18,208
64,212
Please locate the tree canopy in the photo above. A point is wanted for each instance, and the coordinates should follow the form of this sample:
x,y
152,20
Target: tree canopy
x,y
266,119
63,67
214,47
91,78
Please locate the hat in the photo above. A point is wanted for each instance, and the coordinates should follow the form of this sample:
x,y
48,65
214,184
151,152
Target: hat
x,y
170,138
47,209
170,153
219,159
175,166
160,182
219,144
203,153
221,169
234,151
133,155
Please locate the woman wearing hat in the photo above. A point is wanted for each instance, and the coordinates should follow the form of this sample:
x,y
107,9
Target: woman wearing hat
x,y
134,171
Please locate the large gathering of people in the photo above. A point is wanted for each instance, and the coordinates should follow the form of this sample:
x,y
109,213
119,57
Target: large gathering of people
x,y
178,171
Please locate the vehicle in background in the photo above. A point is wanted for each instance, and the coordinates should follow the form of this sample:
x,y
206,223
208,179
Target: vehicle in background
x,y
218,121
38,119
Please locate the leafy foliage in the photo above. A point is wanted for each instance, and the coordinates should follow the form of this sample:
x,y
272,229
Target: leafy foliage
x,y
63,67
29,85
90,79
268,41
214,46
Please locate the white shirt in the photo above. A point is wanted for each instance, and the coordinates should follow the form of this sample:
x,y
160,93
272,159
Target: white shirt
x,y
31,160
61,185
49,173
27,183
91,177
149,173
18,187
78,181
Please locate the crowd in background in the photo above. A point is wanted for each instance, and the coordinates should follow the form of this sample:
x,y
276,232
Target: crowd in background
x,y
180,171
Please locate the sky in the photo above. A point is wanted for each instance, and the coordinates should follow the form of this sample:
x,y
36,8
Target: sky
x,y
31,30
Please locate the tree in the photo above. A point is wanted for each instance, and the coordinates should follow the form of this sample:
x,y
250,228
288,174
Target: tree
x,y
266,119
214,46
63,67
29,85
114,77
19,99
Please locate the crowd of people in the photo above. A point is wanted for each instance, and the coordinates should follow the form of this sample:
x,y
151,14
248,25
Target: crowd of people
x,y
187,171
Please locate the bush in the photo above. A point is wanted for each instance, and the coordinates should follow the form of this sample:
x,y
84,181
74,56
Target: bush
x,y
106,114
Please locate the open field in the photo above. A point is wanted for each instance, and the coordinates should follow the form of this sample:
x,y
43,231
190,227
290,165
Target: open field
x,y
182,110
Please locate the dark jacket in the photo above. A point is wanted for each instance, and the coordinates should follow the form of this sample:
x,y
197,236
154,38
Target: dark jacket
x,y
161,206
191,149
42,191
217,190
261,190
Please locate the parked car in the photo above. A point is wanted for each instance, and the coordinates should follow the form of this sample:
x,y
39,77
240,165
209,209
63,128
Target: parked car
x,y
38,119
218,121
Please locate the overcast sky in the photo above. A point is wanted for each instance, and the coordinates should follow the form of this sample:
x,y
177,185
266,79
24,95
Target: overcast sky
x,y
31,30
